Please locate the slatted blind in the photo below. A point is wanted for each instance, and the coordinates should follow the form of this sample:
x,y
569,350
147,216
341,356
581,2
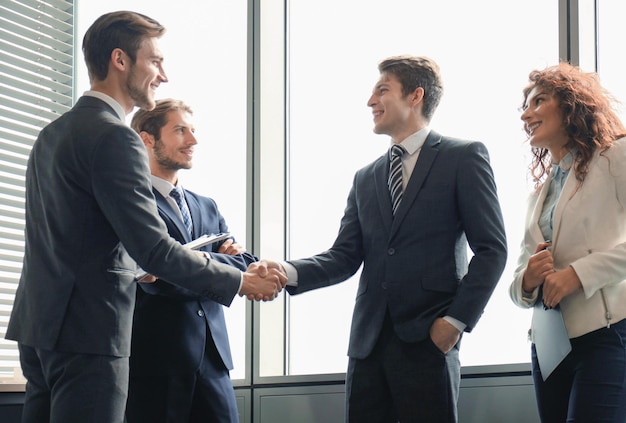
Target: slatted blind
x,y
36,83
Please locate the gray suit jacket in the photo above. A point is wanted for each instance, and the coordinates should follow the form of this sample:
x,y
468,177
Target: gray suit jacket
x,y
91,218
416,264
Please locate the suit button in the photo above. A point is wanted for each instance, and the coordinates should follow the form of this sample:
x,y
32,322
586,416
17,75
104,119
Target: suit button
x,y
384,285
200,313
391,251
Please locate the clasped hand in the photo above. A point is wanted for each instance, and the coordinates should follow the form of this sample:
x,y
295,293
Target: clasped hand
x,y
556,284
263,281
540,265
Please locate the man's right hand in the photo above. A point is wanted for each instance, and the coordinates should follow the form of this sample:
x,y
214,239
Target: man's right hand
x,y
262,282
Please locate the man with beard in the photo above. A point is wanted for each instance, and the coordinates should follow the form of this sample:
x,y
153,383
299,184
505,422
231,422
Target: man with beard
x,y
180,353
91,218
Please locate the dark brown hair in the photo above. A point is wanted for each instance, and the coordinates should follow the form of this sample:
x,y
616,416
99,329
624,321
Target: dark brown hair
x,y
153,120
122,29
413,72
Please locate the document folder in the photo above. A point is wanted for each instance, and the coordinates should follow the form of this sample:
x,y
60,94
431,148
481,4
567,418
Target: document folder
x,y
194,245
550,338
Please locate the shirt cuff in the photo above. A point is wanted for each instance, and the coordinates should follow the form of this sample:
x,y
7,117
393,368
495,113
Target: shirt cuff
x,y
292,273
456,323
240,284
530,298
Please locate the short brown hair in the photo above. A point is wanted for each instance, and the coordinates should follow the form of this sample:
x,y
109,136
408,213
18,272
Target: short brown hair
x,y
122,29
413,72
151,121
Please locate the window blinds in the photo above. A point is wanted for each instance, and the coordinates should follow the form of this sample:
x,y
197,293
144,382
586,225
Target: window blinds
x,y
36,83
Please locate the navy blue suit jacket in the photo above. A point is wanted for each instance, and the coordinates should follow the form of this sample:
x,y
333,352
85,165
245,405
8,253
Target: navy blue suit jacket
x,y
416,264
170,323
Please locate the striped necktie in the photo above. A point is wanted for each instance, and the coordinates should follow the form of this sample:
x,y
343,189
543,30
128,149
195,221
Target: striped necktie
x,y
178,196
395,176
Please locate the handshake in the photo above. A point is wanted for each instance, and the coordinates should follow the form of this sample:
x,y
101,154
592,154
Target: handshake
x,y
263,280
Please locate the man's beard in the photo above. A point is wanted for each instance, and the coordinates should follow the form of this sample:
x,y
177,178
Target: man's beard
x,y
141,98
164,161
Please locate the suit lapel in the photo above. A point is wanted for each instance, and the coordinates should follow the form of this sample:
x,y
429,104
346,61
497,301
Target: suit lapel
x,y
194,210
381,173
424,162
171,216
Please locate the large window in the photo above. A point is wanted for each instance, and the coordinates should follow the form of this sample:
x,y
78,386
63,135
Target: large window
x,y
313,74
485,59
611,41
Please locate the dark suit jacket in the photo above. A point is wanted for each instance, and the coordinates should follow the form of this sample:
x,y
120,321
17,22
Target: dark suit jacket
x,y
89,212
170,323
416,265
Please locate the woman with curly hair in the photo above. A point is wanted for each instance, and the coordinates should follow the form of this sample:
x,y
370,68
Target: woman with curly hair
x,y
573,256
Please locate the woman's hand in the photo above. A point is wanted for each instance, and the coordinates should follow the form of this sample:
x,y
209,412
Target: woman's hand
x,y
540,265
558,285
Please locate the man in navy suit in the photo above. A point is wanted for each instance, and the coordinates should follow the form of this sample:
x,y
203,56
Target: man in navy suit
x,y
90,219
180,354
417,293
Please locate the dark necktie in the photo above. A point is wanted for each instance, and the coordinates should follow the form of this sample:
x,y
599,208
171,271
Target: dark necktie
x,y
178,196
395,176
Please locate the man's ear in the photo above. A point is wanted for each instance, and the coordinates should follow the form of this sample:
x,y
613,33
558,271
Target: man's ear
x,y
119,59
417,96
147,139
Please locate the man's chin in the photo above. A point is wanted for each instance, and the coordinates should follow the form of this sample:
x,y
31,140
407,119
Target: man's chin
x,y
146,103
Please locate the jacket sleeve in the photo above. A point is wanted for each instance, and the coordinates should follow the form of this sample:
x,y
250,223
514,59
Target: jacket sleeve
x,y
482,221
122,188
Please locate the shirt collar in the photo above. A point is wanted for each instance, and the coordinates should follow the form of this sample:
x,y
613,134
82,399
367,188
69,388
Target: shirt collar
x,y
119,110
415,141
162,186
567,161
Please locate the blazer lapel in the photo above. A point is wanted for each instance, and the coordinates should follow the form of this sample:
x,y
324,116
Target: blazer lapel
x,y
533,223
424,162
568,191
196,215
171,216
381,173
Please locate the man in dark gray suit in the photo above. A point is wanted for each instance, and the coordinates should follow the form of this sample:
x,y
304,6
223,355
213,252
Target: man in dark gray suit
x,y
91,218
416,293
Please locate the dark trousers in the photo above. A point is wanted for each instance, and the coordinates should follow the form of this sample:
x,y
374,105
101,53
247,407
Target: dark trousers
x,y
590,383
405,382
201,397
73,388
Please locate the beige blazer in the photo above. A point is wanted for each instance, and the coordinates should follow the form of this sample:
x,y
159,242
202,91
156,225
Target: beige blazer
x,y
589,235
